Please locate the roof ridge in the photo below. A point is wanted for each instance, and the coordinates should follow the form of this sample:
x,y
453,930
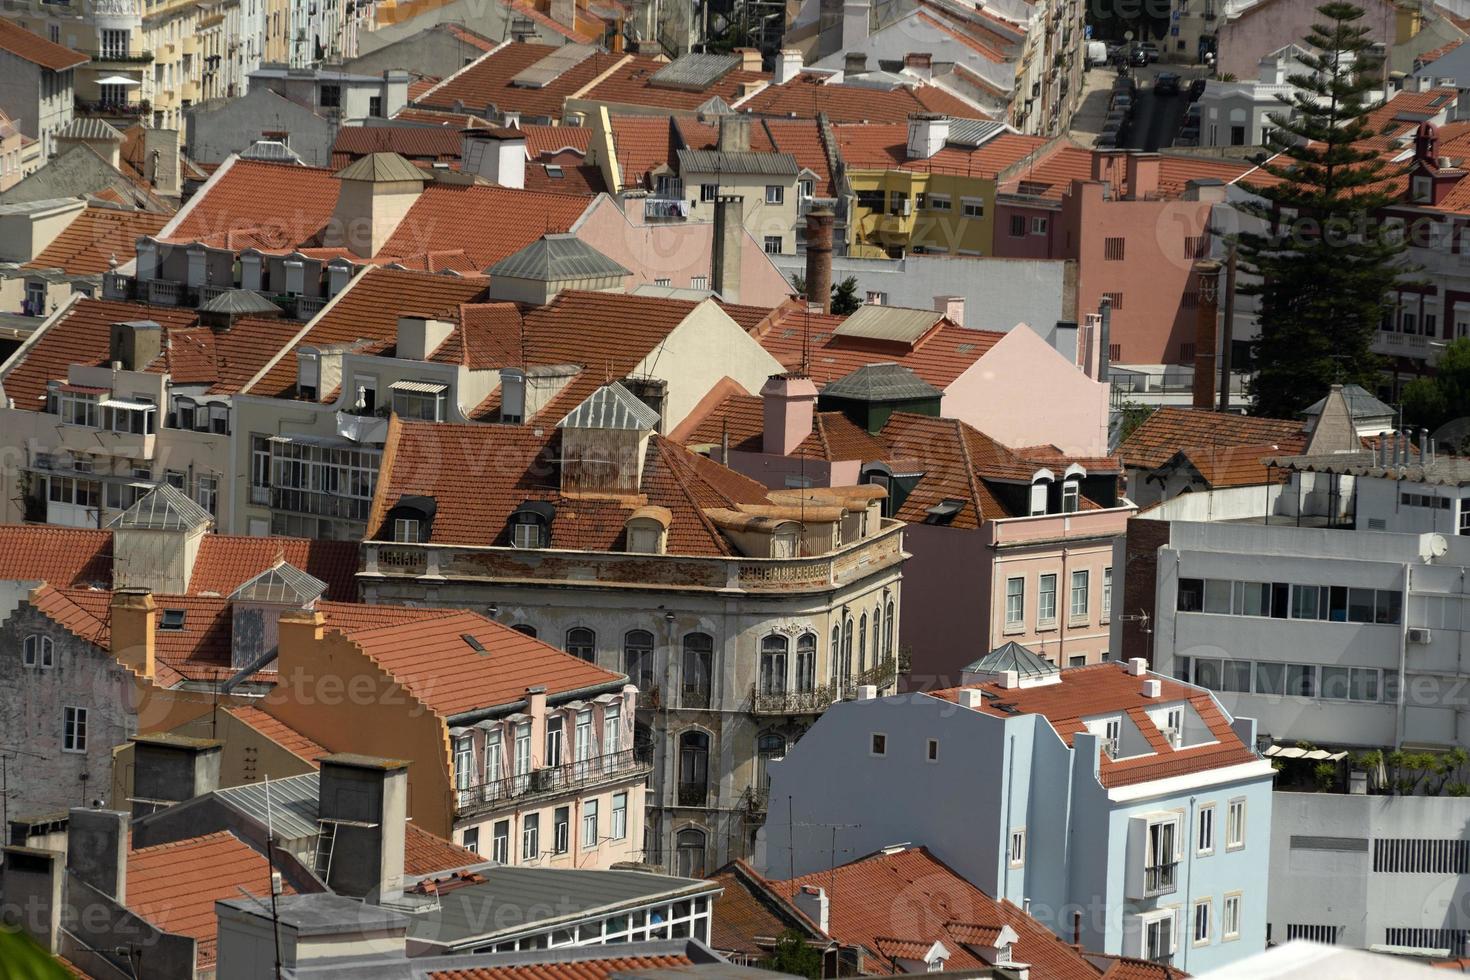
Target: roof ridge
x,y
970,476
675,472
186,841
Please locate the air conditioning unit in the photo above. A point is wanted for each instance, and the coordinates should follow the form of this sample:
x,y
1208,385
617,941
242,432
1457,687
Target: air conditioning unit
x,y
1420,634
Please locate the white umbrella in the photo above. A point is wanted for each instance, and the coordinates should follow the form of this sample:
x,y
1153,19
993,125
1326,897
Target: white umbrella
x,y
118,80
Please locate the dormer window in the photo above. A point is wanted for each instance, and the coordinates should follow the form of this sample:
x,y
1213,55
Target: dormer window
x,y
173,619
406,530
424,400
530,524
647,530
308,373
1071,496
1423,189
1039,490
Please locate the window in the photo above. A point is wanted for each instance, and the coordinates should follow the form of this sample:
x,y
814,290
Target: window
x,y
1038,226
114,44
172,619
1230,918
693,768
863,643
708,192
1205,836
1038,497
612,730
1015,603
375,106
806,663
582,643
872,200
464,762
406,530
1017,854
1046,600
553,741
494,760
775,194
879,744
698,671
1158,937
1202,923
427,406
77,409
38,652
331,96
522,759
638,659
773,244
471,839
526,629
561,829
806,187
888,630
875,297
1235,825
589,824
898,203
1071,496
531,837
206,492
1018,225
1161,861
1113,249
73,729
931,750
689,849
973,207
1080,660
582,738
618,828
1237,136
937,202
500,842
1079,595
770,747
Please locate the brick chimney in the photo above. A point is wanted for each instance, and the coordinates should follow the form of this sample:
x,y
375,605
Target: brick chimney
x,y
788,402
1207,282
1143,175
953,308
134,627
819,258
729,239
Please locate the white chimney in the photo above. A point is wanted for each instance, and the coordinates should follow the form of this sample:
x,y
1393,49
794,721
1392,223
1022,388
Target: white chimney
x,y
812,902
953,308
867,692
498,155
970,697
1008,679
1137,666
1152,688
788,65
419,337
928,133
856,17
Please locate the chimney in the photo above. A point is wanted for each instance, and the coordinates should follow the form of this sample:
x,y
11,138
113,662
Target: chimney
x,y
1104,339
867,692
536,708
788,65
564,12
33,881
953,308
134,630
927,135
1152,688
1008,679
919,64
498,155
1205,327
856,18
169,769
1105,167
1137,666
419,337
97,850
135,344
854,63
727,246
819,258
970,697
734,134
365,799
161,159
788,402
750,59
812,902
1143,176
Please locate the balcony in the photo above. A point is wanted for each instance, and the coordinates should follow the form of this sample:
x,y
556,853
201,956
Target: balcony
x,y
161,292
697,795
815,700
320,504
112,110
371,429
1161,879
665,209
755,799
1418,347
600,770
121,59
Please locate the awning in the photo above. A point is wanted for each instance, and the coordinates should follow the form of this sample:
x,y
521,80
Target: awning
x,y
118,80
1296,752
425,387
128,406
306,439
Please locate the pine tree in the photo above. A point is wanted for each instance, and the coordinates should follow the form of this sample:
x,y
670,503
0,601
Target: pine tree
x,y
844,296
1323,260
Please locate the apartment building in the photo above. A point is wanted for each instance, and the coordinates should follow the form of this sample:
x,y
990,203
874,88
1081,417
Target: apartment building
x,y
1129,810
37,82
574,531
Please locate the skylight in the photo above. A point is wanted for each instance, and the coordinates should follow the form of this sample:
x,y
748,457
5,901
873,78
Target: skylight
x,y
173,619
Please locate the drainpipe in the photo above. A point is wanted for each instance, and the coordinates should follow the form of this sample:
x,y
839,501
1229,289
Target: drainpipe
x,y
1398,733
1006,838
1188,876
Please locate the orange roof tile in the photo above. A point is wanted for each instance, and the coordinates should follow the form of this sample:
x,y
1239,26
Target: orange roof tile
x,y
579,969
541,140
272,205
1170,429
641,144
564,173
485,85
279,732
809,94
62,556
174,886
441,117
741,418
425,853
886,146
97,236
34,48
630,84
412,142
488,223
1107,687
747,915
1238,466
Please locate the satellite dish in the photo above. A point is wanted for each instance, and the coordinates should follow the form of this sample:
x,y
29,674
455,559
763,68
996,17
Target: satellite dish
x,y
1433,546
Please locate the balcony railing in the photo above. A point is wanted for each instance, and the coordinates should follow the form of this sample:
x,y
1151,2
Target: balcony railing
x,y
697,794
320,503
600,769
1161,879
665,208
814,700
109,108
755,799
123,58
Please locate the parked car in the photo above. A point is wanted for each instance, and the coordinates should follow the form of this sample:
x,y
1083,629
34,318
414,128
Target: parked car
x,y
1196,89
1097,53
1116,121
1125,86
1166,83
1189,129
1138,56
1106,141
1150,51
1122,103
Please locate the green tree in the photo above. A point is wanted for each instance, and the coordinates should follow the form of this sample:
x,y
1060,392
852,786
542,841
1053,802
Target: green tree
x,y
798,283
1323,261
792,955
1434,401
844,297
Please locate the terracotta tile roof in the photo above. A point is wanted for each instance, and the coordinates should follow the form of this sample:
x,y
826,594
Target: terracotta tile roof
x,y
98,235
884,146
1170,429
441,117
579,969
485,86
479,474
412,142
1130,968
1238,466
1053,173
252,202
1100,688
807,95
62,556
279,732
833,437
564,173
541,140
369,310
641,144
629,84
938,358
803,140
748,916
939,904
425,853
432,661
34,48
486,222
488,336
174,886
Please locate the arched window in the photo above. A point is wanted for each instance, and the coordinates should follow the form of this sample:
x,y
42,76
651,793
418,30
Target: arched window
x,y
693,768
806,663
698,672
834,654
582,642
689,847
773,664
37,651
846,674
638,659
769,748
877,636
525,628
863,644
888,630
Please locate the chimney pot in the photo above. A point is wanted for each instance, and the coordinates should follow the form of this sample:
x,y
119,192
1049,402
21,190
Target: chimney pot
x,y
1152,688
1137,666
